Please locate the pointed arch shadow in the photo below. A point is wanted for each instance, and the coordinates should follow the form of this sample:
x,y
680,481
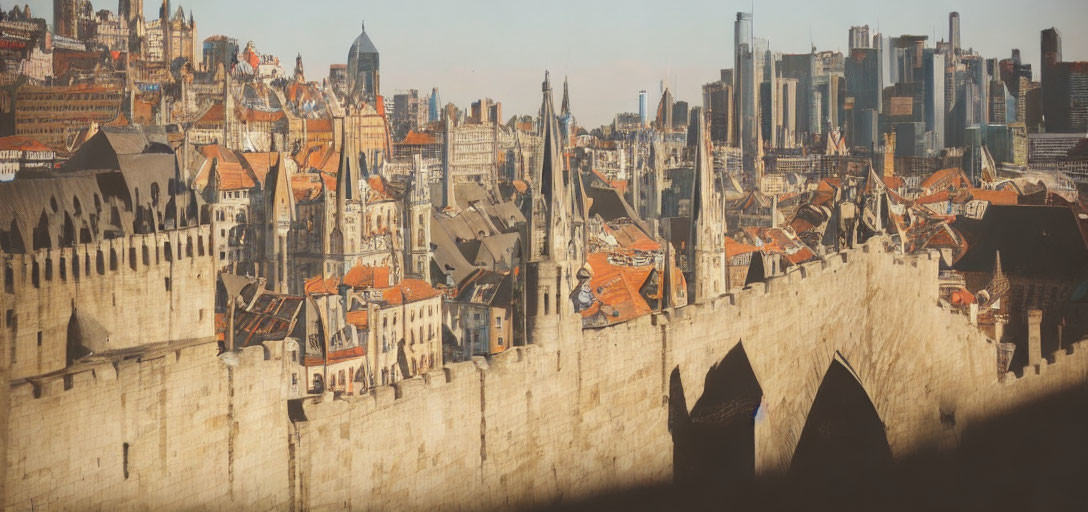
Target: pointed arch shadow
x,y
843,442
714,444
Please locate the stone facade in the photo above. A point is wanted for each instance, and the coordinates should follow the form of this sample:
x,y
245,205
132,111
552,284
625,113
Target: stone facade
x,y
537,424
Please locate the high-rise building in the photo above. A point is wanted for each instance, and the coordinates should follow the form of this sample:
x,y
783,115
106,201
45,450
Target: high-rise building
x,y
863,84
954,31
643,114
859,37
1064,88
681,114
130,10
66,17
800,67
718,103
933,70
434,107
999,100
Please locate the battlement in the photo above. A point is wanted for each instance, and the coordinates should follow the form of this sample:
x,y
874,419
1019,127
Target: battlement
x,y
84,262
752,300
1057,366
117,294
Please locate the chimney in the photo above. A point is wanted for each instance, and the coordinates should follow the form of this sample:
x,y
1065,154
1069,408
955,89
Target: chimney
x,y
1035,339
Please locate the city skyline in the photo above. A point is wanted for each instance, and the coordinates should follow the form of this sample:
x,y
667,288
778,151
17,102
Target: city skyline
x,y
625,60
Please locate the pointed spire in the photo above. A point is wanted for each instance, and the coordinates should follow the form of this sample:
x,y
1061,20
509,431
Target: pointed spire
x,y
704,173
347,185
552,207
564,109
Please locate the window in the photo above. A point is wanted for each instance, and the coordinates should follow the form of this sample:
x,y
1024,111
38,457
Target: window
x,y
500,341
498,322
167,282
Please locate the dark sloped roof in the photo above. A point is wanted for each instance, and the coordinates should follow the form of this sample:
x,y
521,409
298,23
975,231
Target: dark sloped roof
x,y
486,287
1042,242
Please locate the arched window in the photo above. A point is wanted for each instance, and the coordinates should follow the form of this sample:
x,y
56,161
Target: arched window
x,y
113,259
189,246
100,263
200,245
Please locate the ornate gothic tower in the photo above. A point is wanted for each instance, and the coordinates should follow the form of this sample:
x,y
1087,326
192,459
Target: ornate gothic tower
x,y
706,253
279,216
549,276
419,222
348,196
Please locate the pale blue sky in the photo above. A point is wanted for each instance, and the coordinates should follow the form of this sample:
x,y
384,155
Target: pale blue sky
x,y
609,48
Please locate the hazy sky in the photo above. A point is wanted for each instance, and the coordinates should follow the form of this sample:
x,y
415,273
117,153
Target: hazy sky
x,y
609,48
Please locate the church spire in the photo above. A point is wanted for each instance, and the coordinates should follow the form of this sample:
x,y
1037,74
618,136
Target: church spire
x,y
564,109
551,206
707,244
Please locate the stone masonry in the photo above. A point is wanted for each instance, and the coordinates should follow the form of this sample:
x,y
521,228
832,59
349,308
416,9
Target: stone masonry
x,y
535,425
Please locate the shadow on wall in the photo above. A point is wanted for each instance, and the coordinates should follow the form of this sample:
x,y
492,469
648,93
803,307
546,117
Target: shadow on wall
x,y
1032,458
714,445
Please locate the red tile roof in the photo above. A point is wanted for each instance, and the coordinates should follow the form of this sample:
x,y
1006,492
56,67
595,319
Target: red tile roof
x,y
409,291
416,138
359,277
21,143
616,289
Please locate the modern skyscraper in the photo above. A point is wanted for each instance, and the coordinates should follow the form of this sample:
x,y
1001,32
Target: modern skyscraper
x,y
718,103
954,30
642,107
933,69
434,106
859,37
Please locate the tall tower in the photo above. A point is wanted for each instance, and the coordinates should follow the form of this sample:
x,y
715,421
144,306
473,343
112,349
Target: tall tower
x,y
419,221
642,106
566,119
549,279
66,18
280,208
348,192
363,69
706,251
130,10
954,31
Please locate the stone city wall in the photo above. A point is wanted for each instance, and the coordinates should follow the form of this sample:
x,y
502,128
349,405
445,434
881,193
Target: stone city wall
x,y
127,286
177,428
533,425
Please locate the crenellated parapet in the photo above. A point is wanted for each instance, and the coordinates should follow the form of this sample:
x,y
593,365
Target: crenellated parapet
x,y
105,296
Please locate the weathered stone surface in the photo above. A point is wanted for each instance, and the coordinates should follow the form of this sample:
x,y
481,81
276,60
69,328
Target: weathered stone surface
x,y
536,425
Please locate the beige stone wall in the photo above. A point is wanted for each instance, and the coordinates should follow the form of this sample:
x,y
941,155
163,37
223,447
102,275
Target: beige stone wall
x,y
132,305
540,423
578,413
200,432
